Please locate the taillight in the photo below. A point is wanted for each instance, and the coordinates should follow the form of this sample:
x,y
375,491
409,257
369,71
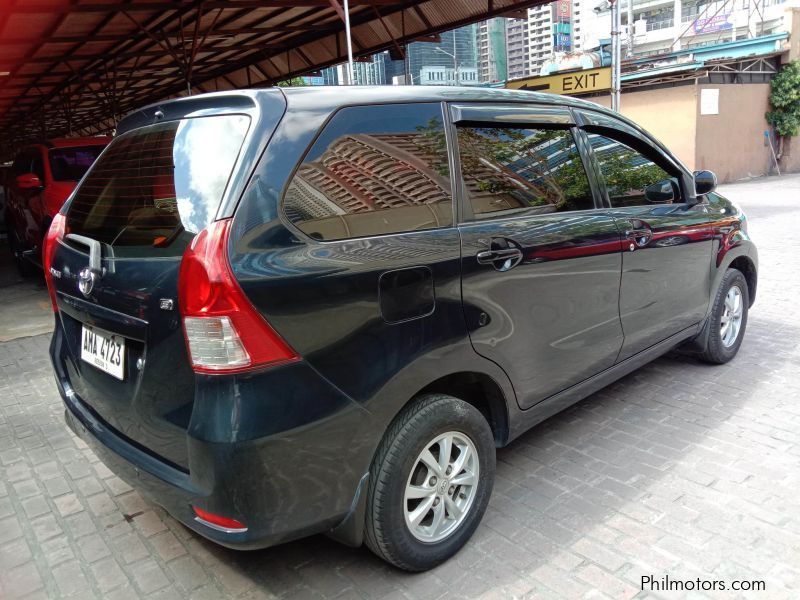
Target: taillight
x,y
224,332
56,232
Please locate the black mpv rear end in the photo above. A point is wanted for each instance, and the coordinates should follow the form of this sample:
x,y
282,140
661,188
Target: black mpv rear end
x,y
289,312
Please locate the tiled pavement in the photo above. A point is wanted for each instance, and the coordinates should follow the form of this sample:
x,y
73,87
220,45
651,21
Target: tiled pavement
x,y
680,469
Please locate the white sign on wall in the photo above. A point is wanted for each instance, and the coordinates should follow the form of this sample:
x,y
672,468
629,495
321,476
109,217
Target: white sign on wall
x,y
709,101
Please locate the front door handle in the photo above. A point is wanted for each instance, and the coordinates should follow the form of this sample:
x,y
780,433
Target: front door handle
x,y
501,259
639,234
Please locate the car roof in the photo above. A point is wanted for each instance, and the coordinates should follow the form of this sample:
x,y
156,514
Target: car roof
x,y
333,97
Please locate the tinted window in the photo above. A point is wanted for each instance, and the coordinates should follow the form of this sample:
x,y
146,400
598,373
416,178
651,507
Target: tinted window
x,y
37,166
21,165
69,164
628,172
156,187
508,170
374,170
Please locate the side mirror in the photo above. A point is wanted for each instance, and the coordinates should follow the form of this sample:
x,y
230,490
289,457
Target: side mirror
x,y
661,192
29,181
705,182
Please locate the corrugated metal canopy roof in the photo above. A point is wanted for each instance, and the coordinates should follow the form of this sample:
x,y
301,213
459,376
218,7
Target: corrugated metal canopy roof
x,y
76,66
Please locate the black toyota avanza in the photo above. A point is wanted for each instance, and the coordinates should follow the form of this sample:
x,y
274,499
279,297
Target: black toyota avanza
x,y
292,311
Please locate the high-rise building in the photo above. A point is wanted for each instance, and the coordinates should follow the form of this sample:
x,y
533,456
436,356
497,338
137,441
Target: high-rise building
x,y
330,76
492,61
544,31
517,44
541,35
452,60
663,26
366,72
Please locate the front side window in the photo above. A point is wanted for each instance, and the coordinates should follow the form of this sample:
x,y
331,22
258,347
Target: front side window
x,y
633,179
374,170
510,170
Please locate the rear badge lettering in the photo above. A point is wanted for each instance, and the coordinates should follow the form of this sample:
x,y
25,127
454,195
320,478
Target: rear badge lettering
x,y
166,304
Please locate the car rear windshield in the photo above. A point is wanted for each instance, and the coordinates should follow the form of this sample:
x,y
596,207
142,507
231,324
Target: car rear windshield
x,y
158,186
70,164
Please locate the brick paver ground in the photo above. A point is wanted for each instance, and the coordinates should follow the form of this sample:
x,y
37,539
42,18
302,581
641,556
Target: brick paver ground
x,y
679,469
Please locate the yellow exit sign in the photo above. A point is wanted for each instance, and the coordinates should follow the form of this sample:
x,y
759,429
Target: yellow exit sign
x,y
572,83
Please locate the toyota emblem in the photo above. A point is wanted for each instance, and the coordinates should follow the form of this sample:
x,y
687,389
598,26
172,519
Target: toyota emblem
x,y
86,281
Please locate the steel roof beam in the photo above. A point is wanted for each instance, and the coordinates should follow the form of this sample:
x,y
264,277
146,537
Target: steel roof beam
x,y
28,9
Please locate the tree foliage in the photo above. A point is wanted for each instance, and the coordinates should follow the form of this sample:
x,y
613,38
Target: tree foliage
x,y
622,178
785,100
530,167
293,82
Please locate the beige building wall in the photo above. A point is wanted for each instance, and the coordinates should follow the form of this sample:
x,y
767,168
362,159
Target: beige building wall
x,y
730,143
668,114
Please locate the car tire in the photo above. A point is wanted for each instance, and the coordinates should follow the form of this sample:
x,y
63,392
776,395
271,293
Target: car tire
x,y
730,308
446,513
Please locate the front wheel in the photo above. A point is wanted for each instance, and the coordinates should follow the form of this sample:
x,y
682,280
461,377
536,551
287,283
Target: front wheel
x,y
728,319
430,482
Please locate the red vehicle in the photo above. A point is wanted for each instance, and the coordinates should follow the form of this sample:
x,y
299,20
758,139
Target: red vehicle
x,y
41,179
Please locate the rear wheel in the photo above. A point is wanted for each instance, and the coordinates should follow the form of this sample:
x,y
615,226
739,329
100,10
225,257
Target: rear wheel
x,y
728,319
430,482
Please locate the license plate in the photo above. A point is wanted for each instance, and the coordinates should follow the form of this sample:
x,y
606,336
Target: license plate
x,y
104,350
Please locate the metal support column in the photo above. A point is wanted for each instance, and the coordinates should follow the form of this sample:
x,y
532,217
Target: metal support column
x,y
616,54
350,71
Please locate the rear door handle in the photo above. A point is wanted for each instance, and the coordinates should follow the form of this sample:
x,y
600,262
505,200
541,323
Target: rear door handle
x,y
501,259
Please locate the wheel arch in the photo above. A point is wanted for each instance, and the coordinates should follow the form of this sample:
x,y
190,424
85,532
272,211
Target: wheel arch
x,y
748,269
475,387
481,391
742,258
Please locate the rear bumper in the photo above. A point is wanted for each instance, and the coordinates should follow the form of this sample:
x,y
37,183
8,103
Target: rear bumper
x,y
282,486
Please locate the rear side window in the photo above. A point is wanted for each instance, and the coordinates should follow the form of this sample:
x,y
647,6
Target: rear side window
x,y
70,164
374,170
156,187
522,170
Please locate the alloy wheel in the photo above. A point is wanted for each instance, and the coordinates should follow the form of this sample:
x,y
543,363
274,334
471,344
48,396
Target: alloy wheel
x,y
441,487
731,319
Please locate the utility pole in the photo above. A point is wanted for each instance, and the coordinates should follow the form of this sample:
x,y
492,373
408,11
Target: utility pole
x,y
629,52
616,54
407,78
677,23
455,60
453,56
